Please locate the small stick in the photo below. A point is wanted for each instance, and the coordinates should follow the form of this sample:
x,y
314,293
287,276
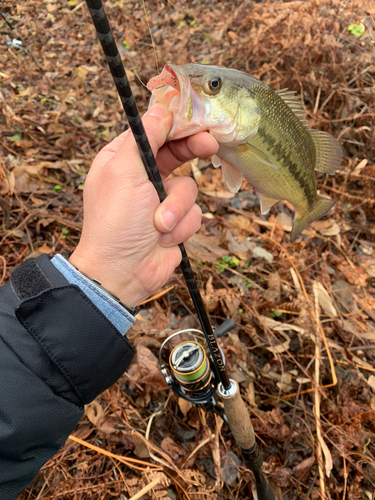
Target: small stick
x,y
146,489
5,19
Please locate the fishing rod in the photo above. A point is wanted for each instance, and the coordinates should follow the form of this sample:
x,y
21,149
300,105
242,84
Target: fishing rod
x,y
195,374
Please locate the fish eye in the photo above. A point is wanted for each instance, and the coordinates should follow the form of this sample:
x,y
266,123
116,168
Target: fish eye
x,y
213,85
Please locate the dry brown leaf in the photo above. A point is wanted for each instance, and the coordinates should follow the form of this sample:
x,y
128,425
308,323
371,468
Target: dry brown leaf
x,y
273,291
279,348
147,361
303,466
184,406
371,382
94,412
327,456
279,327
324,299
173,449
204,248
140,449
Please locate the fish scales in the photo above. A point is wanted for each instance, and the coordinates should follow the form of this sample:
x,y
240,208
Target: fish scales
x,y
261,133
278,122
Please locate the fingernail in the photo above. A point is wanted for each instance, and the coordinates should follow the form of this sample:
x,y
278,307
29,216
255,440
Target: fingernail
x,y
214,140
168,219
157,110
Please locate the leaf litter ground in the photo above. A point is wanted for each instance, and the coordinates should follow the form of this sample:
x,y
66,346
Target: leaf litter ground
x,y
303,350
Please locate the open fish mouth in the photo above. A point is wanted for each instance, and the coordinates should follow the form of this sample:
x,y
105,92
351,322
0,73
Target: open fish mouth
x,y
173,88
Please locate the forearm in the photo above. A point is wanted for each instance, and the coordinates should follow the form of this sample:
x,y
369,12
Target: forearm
x,y
58,351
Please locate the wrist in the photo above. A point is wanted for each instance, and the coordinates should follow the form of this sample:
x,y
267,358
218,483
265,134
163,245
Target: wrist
x,y
98,272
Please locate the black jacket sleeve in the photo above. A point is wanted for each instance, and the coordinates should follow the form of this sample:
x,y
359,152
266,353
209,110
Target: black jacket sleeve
x,y
57,353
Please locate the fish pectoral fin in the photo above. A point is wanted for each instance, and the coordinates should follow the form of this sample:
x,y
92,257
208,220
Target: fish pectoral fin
x,y
232,176
260,156
266,203
320,208
328,151
216,161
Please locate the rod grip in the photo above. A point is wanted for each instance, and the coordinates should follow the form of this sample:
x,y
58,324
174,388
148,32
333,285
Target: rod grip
x,y
239,420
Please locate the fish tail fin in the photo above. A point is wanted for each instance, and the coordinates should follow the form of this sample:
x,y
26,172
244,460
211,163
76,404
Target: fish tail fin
x,y
320,208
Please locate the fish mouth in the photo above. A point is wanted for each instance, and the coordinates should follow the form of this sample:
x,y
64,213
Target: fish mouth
x,y
173,88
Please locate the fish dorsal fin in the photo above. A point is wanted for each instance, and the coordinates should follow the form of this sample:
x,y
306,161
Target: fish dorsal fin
x,y
260,156
216,162
266,203
231,175
294,102
328,151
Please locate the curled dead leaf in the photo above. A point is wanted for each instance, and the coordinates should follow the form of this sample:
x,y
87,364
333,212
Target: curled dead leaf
x,y
94,412
324,299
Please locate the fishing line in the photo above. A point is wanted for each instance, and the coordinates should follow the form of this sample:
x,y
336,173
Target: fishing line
x,y
152,38
131,57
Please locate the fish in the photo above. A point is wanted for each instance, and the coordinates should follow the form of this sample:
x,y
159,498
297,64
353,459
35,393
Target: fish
x,y
262,135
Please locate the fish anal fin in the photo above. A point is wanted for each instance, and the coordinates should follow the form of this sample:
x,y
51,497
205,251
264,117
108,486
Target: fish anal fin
x,y
320,208
266,203
328,152
216,161
232,176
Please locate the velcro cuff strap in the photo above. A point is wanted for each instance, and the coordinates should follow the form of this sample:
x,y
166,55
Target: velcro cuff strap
x,y
79,340
28,280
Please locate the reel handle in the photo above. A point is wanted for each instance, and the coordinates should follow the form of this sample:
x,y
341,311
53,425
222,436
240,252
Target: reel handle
x,y
224,328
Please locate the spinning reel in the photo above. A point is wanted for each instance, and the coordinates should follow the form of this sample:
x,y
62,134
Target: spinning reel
x,y
192,372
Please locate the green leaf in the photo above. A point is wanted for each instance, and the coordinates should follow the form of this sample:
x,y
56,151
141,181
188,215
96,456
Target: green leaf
x,y
234,262
81,186
57,187
240,310
16,138
126,44
356,29
276,314
226,258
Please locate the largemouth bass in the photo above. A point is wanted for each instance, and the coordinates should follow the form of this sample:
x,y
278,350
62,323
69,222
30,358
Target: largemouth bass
x,y
262,135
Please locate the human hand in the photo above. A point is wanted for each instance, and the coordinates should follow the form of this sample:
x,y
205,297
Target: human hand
x,y
129,239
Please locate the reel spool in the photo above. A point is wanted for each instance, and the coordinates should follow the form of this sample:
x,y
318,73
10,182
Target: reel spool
x,y
190,367
191,371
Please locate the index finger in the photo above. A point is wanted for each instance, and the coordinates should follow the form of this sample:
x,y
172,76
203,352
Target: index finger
x,y
175,153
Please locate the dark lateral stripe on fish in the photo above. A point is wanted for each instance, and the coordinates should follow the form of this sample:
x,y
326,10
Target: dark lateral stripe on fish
x,y
283,157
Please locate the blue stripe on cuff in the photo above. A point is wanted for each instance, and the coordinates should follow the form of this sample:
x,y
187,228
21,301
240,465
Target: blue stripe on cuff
x,y
117,315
